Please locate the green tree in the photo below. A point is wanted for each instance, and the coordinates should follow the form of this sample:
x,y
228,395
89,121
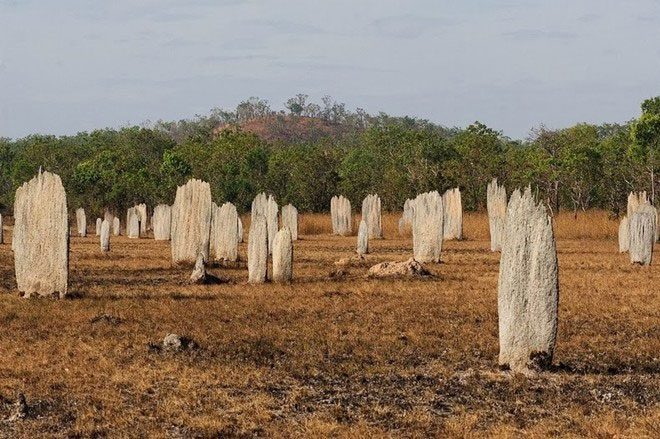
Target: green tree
x,y
646,139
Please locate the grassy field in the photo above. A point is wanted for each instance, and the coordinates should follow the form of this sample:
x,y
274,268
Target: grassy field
x,y
330,356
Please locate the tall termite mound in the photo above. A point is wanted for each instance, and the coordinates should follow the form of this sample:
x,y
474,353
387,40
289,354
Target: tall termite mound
x,y
427,220
191,222
41,237
528,288
496,206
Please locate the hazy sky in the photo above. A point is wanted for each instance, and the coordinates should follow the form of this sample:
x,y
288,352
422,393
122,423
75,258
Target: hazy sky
x,y
74,65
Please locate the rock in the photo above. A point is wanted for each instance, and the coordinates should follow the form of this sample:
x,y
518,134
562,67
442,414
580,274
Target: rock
x,y
105,236
428,217
258,250
81,222
371,214
354,261
496,205
98,226
283,256
363,239
642,229
133,223
20,409
198,275
528,287
161,222
624,235
178,343
41,237
191,222
453,214
409,268
116,226
340,213
290,220
224,233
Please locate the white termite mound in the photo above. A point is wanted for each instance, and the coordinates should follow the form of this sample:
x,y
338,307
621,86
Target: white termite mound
x,y
240,229
363,239
624,235
191,222
81,222
283,256
290,220
132,223
41,237
428,216
272,220
258,250
116,225
406,220
496,206
642,229
105,235
266,206
98,226
453,214
635,199
528,288
162,222
371,214
142,211
340,213
224,233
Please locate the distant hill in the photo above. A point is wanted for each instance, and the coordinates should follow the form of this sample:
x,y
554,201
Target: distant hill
x,y
290,128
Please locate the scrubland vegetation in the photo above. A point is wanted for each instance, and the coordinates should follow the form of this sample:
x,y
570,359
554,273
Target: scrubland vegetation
x,y
331,354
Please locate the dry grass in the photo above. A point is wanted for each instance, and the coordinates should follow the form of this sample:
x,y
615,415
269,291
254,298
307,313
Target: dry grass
x,y
347,357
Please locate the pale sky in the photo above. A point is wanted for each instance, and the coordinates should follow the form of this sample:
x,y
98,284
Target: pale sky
x,y
75,65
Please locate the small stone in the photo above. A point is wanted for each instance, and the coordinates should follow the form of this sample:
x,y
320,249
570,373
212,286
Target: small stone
x,y
20,410
354,261
178,343
198,275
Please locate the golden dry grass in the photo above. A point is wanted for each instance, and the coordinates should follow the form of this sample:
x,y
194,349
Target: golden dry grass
x,y
346,357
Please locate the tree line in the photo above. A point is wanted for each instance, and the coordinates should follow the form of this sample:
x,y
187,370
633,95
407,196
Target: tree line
x,y
316,151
